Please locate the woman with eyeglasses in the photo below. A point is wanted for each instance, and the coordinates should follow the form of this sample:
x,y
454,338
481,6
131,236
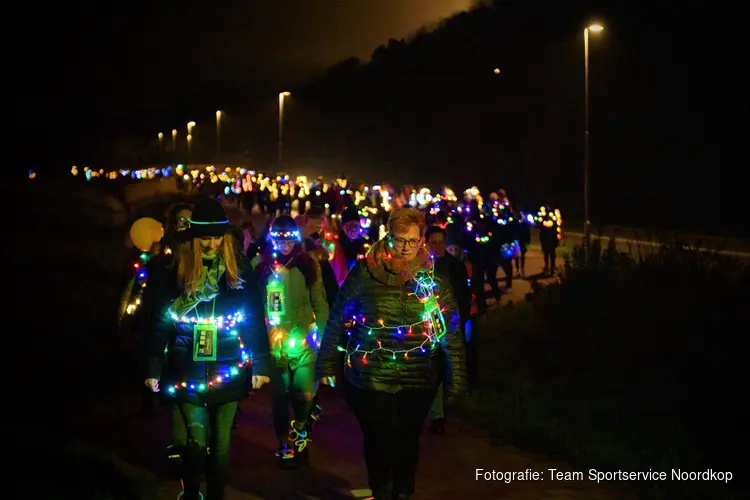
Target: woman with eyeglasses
x,y
296,313
397,325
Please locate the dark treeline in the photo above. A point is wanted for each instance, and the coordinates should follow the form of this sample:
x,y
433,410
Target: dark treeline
x,y
664,92
434,104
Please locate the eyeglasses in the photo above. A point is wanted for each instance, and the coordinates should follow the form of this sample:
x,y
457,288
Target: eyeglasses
x,y
401,242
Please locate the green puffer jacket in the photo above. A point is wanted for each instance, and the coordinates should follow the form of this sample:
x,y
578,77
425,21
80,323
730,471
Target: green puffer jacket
x,y
385,359
300,327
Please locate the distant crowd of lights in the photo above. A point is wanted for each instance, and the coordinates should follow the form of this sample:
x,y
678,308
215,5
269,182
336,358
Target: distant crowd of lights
x,y
239,179
369,199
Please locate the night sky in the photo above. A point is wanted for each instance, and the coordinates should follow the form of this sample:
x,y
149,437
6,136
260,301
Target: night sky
x,y
88,67
113,60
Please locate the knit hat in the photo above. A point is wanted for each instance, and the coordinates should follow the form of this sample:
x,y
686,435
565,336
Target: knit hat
x,y
284,228
349,215
453,235
208,219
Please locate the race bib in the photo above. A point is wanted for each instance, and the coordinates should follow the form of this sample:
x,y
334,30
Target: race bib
x,y
204,342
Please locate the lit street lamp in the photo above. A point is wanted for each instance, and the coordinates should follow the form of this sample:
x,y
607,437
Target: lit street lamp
x,y
174,140
161,140
282,96
594,28
190,126
218,135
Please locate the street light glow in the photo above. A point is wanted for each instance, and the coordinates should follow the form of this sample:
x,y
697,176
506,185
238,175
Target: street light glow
x,y
218,114
595,28
285,94
496,71
161,136
191,124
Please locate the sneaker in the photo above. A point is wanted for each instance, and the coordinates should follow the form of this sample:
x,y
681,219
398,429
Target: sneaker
x,y
173,452
299,439
286,456
437,426
181,496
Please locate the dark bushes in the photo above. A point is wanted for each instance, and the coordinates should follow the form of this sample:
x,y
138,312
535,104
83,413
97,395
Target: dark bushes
x,y
627,364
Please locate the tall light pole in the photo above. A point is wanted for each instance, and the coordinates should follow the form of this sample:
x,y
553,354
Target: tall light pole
x,y
190,126
161,140
282,96
218,136
174,141
594,28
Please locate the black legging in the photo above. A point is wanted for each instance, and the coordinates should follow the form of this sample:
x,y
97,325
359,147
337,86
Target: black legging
x,y
298,385
521,260
204,423
507,266
549,257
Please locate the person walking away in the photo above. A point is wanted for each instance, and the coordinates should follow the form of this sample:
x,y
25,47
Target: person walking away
x,y
452,269
315,226
522,228
550,233
296,313
402,341
454,239
209,318
505,244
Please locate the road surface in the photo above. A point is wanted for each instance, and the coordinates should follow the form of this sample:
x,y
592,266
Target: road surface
x,y
447,468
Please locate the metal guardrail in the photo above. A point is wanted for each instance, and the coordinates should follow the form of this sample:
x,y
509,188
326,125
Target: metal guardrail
x,y
633,239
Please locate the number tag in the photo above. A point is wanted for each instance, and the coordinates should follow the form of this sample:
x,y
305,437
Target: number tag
x,y
204,342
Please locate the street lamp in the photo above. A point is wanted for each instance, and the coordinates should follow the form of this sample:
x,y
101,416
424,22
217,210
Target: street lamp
x,y
174,140
161,140
218,135
189,144
282,96
594,28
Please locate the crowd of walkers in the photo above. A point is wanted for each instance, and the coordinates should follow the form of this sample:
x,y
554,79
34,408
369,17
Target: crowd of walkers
x,y
385,304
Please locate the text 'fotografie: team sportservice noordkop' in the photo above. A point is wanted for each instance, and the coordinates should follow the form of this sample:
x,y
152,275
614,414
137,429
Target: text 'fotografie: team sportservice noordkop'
x,y
598,476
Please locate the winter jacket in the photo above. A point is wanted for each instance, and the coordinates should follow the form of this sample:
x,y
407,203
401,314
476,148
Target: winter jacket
x,y
241,339
454,271
376,359
322,257
294,332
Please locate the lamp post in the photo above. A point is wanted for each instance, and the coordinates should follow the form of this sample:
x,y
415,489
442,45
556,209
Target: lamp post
x,y
174,140
218,136
161,141
190,126
594,28
282,96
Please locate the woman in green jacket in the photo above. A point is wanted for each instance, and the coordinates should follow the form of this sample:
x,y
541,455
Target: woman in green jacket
x,y
296,315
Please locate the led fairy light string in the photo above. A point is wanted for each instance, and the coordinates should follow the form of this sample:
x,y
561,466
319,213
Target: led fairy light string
x,y
276,300
227,322
140,280
432,323
550,220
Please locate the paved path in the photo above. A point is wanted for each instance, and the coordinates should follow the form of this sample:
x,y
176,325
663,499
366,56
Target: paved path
x,y
447,469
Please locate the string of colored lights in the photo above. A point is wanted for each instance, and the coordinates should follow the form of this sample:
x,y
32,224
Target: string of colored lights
x,y
222,323
141,279
276,306
432,322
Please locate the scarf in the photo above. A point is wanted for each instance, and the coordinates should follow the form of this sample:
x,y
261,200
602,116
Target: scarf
x,y
395,272
208,288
